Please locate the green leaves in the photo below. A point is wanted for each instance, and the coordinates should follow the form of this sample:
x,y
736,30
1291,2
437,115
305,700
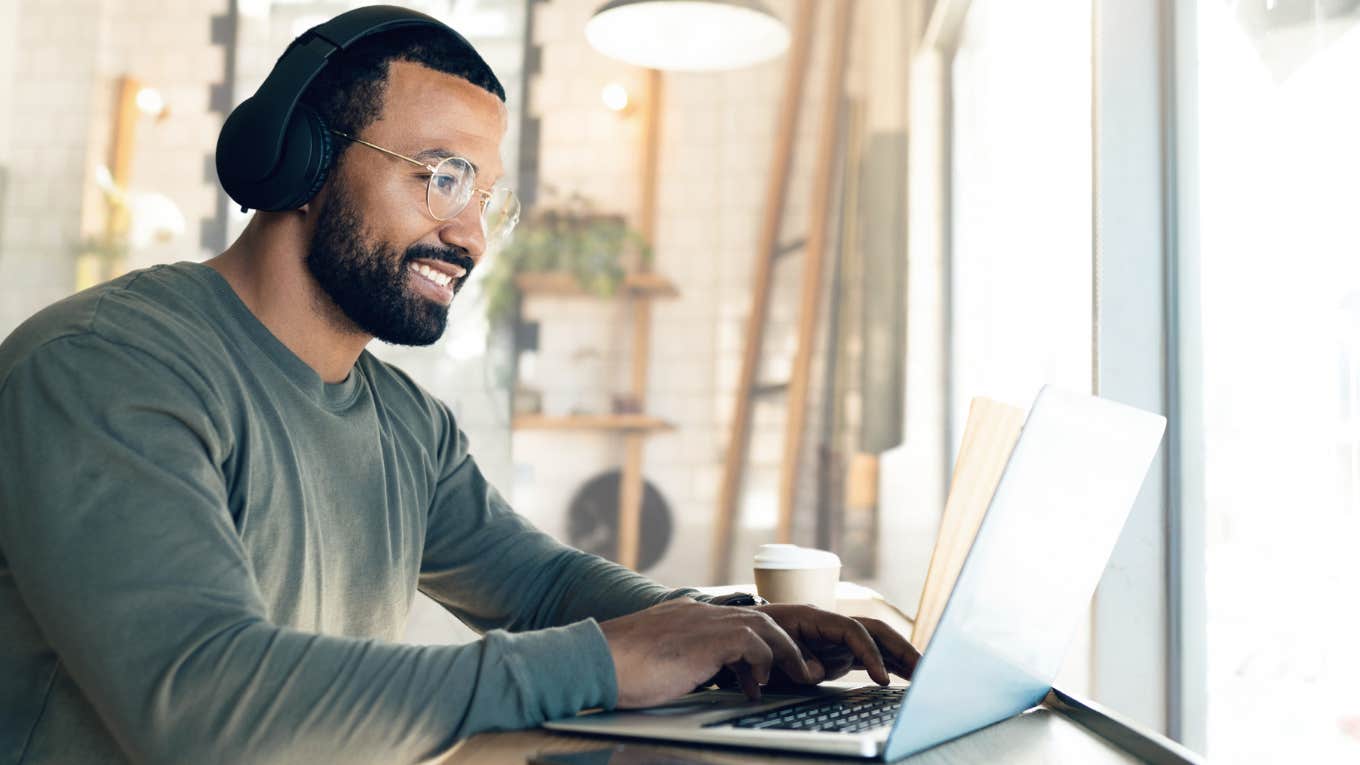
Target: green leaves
x,y
595,249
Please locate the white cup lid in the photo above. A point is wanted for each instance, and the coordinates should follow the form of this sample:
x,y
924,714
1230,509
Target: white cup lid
x,y
793,556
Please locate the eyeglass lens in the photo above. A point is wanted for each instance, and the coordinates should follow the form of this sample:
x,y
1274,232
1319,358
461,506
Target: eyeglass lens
x,y
452,187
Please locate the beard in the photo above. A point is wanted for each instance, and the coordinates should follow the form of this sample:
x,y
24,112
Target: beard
x,y
369,285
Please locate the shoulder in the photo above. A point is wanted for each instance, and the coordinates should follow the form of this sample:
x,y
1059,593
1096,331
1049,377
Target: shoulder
x,y
151,316
397,389
409,404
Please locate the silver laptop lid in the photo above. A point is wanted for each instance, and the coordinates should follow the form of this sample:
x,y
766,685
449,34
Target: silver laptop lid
x,y
1038,555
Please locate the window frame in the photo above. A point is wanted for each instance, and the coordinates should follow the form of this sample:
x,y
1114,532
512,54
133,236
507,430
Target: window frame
x,y
1147,654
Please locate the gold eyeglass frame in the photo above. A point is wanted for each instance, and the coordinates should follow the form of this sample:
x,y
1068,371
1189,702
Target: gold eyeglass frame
x,y
485,194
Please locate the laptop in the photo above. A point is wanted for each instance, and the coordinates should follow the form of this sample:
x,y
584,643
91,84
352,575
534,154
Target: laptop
x,y
1024,588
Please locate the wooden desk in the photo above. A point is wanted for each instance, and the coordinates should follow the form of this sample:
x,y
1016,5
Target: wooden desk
x,y
1063,730
1047,734
1041,736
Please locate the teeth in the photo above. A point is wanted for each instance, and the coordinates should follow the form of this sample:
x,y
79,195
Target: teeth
x,y
438,277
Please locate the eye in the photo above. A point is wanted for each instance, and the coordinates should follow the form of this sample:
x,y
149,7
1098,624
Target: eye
x,y
444,183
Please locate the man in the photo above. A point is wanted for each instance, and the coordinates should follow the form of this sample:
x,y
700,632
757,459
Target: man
x,y
216,506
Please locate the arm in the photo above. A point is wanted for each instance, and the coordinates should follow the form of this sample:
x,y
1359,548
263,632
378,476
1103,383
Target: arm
x,y
115,526
491,568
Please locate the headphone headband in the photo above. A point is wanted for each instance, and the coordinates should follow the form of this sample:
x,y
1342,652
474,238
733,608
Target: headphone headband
x,y
273,153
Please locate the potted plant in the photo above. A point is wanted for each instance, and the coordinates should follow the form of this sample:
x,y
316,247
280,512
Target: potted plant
x,y
565,245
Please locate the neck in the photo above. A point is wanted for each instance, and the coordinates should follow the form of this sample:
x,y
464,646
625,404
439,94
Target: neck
x,y
267,270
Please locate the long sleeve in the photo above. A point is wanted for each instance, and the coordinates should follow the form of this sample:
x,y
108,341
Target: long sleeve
x,y
115,529
492,568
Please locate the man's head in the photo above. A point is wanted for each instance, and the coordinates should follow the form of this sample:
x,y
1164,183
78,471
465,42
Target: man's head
x,y
376,251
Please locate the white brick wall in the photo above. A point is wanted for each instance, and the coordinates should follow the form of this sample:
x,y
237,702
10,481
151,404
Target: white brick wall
x,y
51,107
717,132
61,82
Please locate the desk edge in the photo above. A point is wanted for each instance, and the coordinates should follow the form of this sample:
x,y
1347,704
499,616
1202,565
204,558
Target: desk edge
x,y
1141,742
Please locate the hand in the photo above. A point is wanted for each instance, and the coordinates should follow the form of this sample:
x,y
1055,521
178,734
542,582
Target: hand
x,y
833,644
668,650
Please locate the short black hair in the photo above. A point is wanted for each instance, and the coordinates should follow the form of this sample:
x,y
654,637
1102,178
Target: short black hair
x,y
348,93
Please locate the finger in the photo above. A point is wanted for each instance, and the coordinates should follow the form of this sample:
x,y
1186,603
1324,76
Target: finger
x,y
851,634
746,680
816,669
757,656
787,654
782,682
837,662
896,649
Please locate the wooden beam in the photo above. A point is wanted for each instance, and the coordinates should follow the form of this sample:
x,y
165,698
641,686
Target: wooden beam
x,y
123,145
775,194
122,149
630,502
651,154
630,487
819,209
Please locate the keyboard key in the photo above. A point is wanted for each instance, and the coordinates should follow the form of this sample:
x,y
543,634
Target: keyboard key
x,y
854,712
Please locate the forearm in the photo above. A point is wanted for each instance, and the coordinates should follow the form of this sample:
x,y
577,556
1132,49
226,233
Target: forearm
x,y
589,586
522,579
492,568
254,692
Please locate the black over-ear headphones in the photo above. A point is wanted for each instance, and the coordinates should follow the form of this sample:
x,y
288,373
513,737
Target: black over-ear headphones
x,y
274,153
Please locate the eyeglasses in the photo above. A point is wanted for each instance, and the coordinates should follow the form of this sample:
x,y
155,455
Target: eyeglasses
x,y
452,183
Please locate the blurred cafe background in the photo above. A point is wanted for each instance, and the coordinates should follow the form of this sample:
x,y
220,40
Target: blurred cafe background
x,y
760,280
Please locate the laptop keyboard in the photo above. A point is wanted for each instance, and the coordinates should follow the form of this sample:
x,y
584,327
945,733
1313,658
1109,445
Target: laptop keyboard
x,y
860,710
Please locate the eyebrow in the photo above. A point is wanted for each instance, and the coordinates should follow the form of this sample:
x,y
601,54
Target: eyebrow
x,y
435,155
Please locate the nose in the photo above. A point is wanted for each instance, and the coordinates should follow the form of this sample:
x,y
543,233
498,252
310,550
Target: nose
x,y
464,230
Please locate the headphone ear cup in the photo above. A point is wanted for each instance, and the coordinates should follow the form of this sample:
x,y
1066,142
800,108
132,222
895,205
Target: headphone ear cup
x,y
323,143
305,162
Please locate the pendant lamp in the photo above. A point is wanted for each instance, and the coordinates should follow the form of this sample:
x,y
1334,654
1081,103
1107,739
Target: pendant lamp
x,y
688,35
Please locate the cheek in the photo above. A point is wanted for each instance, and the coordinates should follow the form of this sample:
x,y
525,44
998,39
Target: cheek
x,y
399,199
394,211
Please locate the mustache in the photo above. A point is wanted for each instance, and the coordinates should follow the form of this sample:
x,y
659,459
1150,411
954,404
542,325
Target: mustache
x,y
457,257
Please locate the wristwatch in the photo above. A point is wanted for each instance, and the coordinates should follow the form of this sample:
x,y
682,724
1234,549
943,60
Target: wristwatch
x,y
739,599
725,678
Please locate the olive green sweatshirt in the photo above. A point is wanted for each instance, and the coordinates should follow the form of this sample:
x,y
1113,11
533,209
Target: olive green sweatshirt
x,y
207,553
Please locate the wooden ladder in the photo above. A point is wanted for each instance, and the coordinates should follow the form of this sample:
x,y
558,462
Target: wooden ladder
x,y
768,250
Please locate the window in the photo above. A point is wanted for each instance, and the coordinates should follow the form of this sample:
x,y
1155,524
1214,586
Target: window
x,y
1278,315
1021,234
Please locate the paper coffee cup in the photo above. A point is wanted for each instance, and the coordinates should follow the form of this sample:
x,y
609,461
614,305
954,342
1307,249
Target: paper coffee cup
x,y
793,574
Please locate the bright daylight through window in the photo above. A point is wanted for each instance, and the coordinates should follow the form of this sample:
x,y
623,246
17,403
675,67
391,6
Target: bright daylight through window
x,y
1279,258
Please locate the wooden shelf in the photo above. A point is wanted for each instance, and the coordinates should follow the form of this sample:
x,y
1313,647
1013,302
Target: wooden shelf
x,y
622,422
647,285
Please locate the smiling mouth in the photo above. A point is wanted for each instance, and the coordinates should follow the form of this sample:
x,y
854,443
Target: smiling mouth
x,y
440,274
440,278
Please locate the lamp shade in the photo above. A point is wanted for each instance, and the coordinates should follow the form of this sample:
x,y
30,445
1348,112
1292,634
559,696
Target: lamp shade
x,y
687,35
